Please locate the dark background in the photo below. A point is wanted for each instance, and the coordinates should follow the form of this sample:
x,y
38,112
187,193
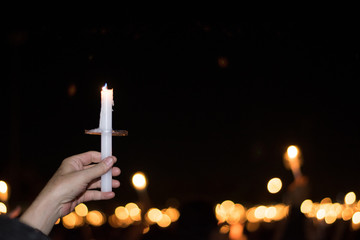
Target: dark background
x,y
210,106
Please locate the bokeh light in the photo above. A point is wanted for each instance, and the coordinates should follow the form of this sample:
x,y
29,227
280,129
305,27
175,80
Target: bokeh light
x,y
274,185
139,181
81,210
350,198
306,206
95,218
292,151
356,218
3,187
3,208
154,215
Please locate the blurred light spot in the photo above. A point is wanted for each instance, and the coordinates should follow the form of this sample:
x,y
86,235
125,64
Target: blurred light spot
x,y
131,205
227,205
164,222
69,221
224,229
281,212
122,213
252,226
3,208
3,187
57,221
356,218
320,214
347,214
260,212
270,212
338,209
81,210
237,214
154,215
292,151
173,213
113,221
135,214
306,206
350,198
330,216
223,62
236,231
326,200
95,218
146,229
72,90
274,185
220,213
250,215
139,181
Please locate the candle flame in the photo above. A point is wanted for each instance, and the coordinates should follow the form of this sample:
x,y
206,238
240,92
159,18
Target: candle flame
x,y
104,87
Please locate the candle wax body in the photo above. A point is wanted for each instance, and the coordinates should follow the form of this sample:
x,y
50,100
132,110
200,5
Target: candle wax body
x,y
106,135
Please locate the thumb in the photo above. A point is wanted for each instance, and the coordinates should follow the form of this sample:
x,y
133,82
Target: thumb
x,y
99,169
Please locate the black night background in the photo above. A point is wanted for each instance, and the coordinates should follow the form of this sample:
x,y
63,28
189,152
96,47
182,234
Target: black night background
x,y
210,106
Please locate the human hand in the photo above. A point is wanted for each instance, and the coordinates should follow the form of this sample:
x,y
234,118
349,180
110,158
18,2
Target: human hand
x,y
74,182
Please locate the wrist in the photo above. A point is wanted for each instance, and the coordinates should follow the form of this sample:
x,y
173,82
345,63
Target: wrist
x,y
42,213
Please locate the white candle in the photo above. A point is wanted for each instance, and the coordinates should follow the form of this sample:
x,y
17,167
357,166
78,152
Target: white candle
x,y
106,134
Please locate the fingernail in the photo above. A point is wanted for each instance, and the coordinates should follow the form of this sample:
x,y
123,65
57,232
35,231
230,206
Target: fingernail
x,y
108,161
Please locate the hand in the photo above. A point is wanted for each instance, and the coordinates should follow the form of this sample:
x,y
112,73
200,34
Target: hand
x,y
74,182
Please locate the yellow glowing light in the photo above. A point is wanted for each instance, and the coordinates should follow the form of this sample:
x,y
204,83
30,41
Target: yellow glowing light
x,y
260,212
220,213
356,218
252,226
227,205
281,212
326,200
320,214
72,220
57,221
122,213
306,206
270,212
95,218
139,181
173,213
338,209
3,208
135,214
292,151
81,210
113,221
131,205
154,215
350,198
274,185
347,214
224,229
3,187
330,216
146,229
250,215
237,214
164,222
236,231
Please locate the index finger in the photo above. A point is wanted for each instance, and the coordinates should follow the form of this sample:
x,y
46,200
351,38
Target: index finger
x,y
89,157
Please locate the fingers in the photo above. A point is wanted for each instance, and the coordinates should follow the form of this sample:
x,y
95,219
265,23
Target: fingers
x,y
93,195
99,169
88,157
97,184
